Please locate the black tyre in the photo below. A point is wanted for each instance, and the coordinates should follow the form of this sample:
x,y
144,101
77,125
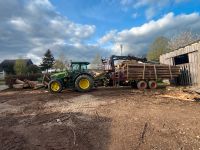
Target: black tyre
x,y
55,86
84,83
141,85
152,84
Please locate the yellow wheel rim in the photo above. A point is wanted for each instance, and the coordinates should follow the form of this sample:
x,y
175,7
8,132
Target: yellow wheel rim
x,y
55,86
84,84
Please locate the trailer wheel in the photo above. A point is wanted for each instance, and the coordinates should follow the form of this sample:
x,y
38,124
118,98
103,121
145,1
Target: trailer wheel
x,y
141,85
152,84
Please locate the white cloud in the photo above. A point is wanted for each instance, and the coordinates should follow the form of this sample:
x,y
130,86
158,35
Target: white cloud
x,y
151,7
150,13
20,24
142,3
108,37
137,39
28,28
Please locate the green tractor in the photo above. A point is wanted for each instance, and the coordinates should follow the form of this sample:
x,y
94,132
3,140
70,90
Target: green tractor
x,y
77,78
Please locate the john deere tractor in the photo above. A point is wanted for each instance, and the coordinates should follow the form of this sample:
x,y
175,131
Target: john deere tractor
x,y
77,78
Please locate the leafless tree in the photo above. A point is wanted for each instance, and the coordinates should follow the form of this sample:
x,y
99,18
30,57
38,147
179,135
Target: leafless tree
x,y
61,63
96,62
182,39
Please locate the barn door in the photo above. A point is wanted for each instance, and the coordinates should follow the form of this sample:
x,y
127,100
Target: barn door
x,y
185,76
185,68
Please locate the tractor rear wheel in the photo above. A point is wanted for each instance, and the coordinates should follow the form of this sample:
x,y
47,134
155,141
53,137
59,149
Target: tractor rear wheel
x,y
55,86
84,83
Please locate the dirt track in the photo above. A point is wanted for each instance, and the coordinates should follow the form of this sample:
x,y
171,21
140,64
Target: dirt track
x,y
113,119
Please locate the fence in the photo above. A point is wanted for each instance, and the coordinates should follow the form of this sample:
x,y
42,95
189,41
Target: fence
x,y
2,75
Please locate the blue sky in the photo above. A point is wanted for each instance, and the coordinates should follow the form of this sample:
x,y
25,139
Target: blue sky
x,y
82,28
107,15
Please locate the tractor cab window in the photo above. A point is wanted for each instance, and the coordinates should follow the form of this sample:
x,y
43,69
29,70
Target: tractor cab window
x,y
79,67
83,67
75,67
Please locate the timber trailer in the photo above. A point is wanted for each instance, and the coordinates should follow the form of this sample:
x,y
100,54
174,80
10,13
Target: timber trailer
x,y
137,72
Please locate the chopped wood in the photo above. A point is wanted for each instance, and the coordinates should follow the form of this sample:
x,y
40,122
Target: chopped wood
x,y
45,83
29,84
18,86
17,81
32,84
39,86
26,85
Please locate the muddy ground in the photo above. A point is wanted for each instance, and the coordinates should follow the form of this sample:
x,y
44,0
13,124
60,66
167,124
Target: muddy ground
x,y
103,119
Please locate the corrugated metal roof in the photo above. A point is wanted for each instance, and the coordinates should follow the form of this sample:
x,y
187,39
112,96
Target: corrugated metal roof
x,y
197,41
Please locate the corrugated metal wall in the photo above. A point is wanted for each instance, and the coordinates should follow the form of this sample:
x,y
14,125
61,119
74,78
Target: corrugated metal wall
x,y
190,72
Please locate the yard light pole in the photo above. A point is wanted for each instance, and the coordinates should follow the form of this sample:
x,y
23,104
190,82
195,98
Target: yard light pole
x,y
121,46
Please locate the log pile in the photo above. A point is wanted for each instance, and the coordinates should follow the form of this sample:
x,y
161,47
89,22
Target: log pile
x,y
149,71
25,83
19,84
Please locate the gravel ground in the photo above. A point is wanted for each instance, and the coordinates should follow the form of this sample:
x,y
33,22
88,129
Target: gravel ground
x,y
105,119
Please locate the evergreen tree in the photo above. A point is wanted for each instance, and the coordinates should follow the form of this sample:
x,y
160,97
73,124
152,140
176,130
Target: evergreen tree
x,y
47,61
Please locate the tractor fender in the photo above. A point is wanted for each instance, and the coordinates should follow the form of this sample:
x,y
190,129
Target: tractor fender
x,y
85,73
61,82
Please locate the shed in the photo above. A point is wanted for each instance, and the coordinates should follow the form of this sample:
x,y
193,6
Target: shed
x,y
187,57
8,65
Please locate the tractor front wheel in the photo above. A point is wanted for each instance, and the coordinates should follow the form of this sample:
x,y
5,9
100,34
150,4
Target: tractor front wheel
x,y
84,83
55,86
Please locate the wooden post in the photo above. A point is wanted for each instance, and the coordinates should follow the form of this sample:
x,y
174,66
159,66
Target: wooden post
x,y
155,72
118,77
143,72
127,72
170,71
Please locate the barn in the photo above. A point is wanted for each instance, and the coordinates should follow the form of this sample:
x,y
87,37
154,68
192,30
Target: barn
x,y
188,58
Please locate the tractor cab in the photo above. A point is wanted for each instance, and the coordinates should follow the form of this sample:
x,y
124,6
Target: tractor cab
x,y
79,66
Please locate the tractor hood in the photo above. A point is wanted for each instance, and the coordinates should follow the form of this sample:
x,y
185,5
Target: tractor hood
x,y
59,75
